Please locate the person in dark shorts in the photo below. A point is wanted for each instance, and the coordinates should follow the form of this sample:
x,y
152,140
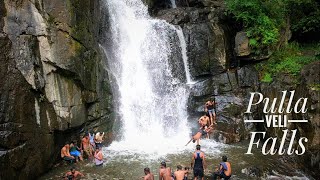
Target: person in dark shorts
x,y
209,108
224,170
198,163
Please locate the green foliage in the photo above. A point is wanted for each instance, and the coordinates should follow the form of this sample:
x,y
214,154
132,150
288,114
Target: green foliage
x,y
304,15
267,78
262,20
289,60
314,87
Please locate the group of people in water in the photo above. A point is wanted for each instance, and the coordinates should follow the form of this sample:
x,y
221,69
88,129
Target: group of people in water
x,y
91,145
198,164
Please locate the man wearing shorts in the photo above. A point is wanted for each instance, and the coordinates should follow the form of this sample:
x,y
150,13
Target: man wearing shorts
x,y
198,163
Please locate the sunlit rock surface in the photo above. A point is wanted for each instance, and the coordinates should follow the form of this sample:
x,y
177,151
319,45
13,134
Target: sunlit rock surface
x,y
52,81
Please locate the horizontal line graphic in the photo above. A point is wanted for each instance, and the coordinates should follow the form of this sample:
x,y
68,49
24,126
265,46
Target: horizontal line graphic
x,y
298,120
254,120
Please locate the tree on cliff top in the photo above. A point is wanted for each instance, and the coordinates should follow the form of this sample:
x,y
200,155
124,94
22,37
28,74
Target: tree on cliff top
x,y
263,19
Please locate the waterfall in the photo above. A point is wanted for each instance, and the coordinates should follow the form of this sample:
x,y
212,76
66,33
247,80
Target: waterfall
x,y
173,3
183,46
152,101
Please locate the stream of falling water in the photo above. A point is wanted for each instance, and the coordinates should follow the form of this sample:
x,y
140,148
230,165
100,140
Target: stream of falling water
x,y
173,3
153,100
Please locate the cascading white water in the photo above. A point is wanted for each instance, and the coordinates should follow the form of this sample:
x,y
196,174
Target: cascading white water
x,y
183,46
152,101
173,3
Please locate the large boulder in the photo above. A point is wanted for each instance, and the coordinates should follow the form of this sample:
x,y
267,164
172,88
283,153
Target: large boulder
x,y
242,47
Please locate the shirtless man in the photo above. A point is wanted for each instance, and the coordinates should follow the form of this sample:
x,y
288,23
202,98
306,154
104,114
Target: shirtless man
x,y
203,120
65,153
148,174
99,139
202,131
209,108
164,172
73,174
85,146
180,174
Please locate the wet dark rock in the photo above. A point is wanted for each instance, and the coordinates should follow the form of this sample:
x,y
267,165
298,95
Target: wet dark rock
x,y
305,86
252,171
230,90
52,82
205,34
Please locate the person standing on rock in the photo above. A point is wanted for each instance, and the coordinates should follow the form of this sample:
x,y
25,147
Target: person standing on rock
x,y
85,146
224,170
209,108
65,153
148,174
99,139
198,163
204,121
164,172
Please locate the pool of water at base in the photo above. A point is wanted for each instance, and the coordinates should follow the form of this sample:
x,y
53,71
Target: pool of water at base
x,y
125,165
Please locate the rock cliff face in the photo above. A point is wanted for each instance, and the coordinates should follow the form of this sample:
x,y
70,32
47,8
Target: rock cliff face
x,y
306,86
52,81
212,46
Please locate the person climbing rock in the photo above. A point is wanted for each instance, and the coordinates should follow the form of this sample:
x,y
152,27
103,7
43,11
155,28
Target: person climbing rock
x,y
198,163
73,174
202,131
164,172
204,121
224,170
